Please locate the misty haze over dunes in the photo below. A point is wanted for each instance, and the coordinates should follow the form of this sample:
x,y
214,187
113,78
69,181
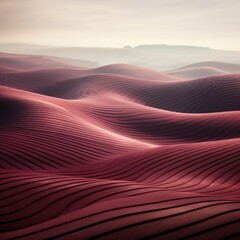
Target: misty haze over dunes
x,y
118,151
158,57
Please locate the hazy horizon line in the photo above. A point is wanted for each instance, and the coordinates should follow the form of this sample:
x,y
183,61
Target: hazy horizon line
x,y
118,47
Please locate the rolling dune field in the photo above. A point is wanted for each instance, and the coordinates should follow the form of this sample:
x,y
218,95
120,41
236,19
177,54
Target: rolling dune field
x,y
119,151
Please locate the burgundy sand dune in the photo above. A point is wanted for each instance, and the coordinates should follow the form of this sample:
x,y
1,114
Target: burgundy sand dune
x,y
118,152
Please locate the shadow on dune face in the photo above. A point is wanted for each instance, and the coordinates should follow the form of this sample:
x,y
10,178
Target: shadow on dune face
x,y
11,110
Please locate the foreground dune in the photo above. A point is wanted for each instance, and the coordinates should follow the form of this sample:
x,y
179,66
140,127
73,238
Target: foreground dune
x,y
117,152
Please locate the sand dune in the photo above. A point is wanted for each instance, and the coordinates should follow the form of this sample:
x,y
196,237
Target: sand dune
x,y
198,72
117,152
198,96
35,79
32,72
22,62
159,126
173,96
193,188
223,66
204,69
133,71
38,120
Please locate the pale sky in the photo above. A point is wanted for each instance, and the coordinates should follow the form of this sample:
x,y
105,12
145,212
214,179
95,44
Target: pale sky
x,y
116,23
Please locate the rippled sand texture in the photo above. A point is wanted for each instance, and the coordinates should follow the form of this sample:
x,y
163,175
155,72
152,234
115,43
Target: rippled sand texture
x,y
118,152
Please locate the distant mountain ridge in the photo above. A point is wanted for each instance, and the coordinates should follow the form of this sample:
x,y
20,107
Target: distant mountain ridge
x,y
161,57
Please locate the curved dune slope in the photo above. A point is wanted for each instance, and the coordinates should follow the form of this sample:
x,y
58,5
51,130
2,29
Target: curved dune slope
x,y
13,62
197,72
38,121
213,94
117,152
226,67
188,190
36,79
160,126
205,69
133,71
